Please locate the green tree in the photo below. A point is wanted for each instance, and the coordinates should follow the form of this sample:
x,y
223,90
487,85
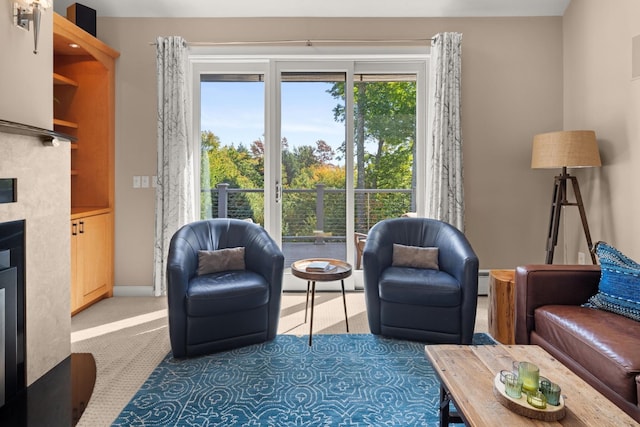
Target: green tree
x,y
236,167
385,119
305,167
208,141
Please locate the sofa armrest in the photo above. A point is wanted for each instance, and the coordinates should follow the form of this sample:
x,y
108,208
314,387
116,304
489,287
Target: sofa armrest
x,y
538,285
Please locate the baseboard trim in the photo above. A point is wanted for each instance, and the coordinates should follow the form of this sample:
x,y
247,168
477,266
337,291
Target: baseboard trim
x,y
483,282
133,291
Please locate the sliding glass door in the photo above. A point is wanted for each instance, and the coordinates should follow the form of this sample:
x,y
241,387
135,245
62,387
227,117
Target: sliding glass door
x,y
384,148
313,166
317,150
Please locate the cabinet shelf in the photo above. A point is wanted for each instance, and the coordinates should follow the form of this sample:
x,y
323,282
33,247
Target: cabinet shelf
x,y
65,123
59,79
84,105
83,211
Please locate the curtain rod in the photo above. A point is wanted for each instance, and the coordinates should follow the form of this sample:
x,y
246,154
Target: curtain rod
x,y
307,42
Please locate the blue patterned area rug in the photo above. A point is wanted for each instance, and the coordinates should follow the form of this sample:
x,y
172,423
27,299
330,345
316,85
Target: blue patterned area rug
x,y
343,380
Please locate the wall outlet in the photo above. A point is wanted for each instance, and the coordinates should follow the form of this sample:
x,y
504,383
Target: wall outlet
x,y
582,259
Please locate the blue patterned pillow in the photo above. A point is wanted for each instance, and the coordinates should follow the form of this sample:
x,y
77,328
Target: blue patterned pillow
x,y
619,288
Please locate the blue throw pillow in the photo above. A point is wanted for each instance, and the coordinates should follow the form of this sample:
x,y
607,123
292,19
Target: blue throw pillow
x,y
619,288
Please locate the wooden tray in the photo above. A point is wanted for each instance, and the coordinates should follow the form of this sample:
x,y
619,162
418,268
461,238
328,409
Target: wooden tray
x,y
521,407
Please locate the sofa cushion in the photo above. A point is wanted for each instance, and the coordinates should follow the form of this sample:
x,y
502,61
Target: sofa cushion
x,y
423,287
604,343
226,292
619,287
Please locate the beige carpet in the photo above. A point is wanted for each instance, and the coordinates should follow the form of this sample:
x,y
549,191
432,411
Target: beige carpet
x,y
128,337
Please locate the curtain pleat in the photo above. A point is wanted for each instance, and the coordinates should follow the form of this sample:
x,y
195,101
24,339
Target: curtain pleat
x,y
445,194
175,192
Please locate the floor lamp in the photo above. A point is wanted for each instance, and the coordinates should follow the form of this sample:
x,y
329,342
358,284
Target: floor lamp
x,y
565,149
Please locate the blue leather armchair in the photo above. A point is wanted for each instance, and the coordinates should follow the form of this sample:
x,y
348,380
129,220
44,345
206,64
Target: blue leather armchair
x,y
228,309
436,306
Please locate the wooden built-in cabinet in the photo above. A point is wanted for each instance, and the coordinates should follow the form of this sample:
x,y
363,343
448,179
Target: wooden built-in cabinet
x,y
84,107
91,259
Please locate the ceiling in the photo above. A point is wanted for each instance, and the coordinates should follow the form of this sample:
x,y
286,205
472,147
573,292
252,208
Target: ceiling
x,y
322,8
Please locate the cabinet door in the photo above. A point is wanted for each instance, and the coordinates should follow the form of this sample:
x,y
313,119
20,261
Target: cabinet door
x,y
76,293
94,247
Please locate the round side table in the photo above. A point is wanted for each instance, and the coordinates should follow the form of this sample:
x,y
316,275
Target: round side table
x,y
339,271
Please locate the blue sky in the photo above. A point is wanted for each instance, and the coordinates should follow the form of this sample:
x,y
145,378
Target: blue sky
x,y
235,113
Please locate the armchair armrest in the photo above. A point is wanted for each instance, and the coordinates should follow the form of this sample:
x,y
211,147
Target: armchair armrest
x,y
538,285
263,256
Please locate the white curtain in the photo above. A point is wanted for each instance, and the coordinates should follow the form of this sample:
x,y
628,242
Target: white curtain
x,y
175,192
445,196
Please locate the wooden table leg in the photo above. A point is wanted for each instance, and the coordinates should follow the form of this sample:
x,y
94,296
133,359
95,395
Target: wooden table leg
x,y
344,302
313,296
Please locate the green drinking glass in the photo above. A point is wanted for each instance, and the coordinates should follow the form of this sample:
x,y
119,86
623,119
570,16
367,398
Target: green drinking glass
x,y
530,375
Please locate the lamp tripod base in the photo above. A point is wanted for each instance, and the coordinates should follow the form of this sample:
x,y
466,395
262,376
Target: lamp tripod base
x,y
558,202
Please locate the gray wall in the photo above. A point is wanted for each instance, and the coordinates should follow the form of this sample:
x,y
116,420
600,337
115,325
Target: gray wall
x,y
26,96
600,94
512,90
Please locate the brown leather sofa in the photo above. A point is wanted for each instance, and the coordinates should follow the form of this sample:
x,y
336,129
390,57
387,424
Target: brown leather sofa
x,y
602,348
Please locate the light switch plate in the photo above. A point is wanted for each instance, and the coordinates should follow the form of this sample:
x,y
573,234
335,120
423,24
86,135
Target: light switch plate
x,y
144,183
136,182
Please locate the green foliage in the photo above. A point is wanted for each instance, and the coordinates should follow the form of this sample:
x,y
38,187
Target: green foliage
x,y
386,114
308,167
385,144
236,167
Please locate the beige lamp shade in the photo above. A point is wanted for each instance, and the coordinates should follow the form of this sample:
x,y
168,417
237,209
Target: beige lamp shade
x,y
572,149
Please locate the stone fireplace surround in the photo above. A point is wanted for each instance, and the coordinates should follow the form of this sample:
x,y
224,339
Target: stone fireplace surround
x,y
43,201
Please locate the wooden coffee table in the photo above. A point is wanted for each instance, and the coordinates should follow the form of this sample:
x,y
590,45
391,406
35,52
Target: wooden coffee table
x,y
341,271
466,378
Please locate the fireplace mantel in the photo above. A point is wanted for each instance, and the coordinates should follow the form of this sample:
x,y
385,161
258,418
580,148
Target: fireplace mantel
x,y
47,136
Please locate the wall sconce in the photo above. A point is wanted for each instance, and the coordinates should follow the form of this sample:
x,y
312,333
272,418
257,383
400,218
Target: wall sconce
x,y
25,11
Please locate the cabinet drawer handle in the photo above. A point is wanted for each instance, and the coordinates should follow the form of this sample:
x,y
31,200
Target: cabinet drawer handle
x,y
74,229
81,227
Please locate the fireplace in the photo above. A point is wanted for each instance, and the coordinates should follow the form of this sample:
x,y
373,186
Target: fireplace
x,y
34,192
12,310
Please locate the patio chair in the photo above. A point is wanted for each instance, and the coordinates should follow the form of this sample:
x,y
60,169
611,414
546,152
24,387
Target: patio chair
x,y
360,239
